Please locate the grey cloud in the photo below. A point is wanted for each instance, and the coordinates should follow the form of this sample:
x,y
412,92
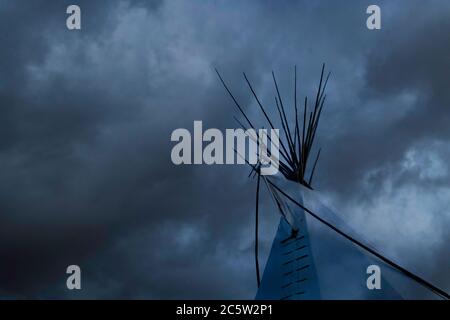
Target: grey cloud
x,y
86,119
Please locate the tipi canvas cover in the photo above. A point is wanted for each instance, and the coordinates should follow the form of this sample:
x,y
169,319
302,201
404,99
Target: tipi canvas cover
x,y
318,263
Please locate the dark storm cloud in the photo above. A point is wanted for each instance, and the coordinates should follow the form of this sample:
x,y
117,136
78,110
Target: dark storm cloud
x,y
49,118
86,118
87,154
405,97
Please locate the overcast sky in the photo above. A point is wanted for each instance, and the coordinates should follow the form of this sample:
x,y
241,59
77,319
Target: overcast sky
x,y
86,117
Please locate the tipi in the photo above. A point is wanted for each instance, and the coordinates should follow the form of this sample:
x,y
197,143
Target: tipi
x,y
315,254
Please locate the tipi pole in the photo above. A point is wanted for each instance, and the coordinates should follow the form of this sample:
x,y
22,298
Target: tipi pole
x,y
258,278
